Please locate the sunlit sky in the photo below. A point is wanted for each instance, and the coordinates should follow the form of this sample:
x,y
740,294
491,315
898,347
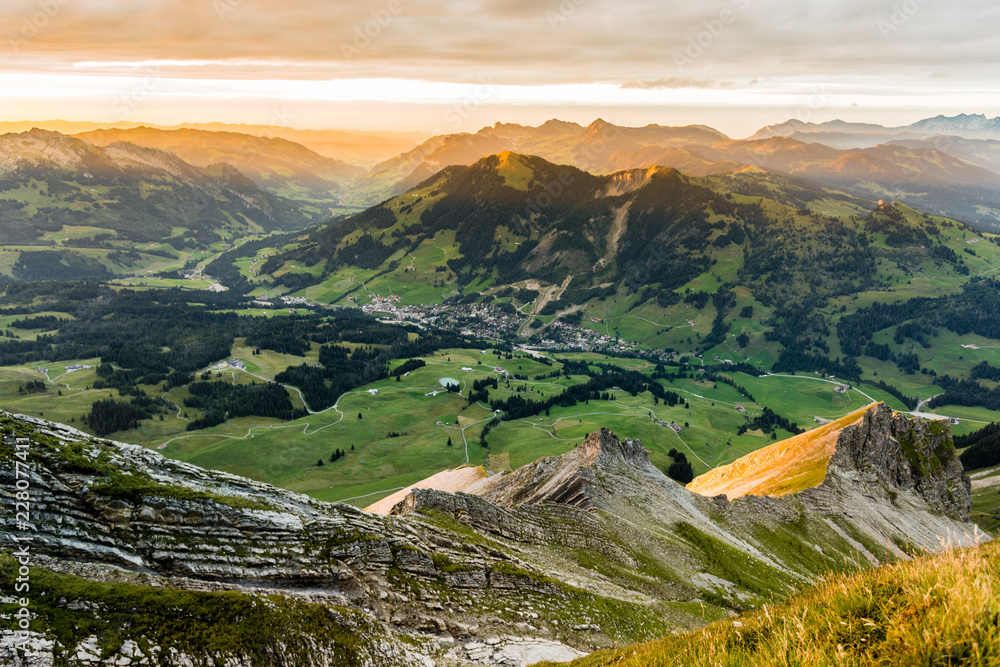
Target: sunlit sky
x,y
446,66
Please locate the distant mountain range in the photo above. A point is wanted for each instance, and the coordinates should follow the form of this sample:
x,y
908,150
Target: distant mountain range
x,y
589,148
946,165
279,166
360,147
48,180
949,166
842,134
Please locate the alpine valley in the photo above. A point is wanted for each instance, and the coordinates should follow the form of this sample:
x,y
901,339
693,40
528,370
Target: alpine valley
x,y
298,397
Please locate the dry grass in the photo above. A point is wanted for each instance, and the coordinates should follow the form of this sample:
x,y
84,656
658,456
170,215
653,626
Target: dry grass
x,y
789,466
935,610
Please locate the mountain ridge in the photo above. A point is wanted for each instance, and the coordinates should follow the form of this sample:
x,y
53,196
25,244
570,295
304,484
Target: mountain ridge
x,y
273,163
136,191
442,569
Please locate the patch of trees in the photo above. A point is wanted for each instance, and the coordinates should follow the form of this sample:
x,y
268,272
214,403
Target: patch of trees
x,y
680,469
108,415
908,363
179,379
767,422
481,389
909,401
367,252
408,366
634,382
983,447
58,265
486,430
697,299
975,310
288,335
242,400
32,387
340,370
723,300
985,371
43,322
966,392
790,360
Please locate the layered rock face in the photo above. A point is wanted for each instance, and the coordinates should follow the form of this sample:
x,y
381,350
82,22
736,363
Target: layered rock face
x,y
559,557
893,453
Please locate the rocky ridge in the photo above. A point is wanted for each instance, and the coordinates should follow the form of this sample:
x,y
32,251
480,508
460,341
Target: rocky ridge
x,y
565,555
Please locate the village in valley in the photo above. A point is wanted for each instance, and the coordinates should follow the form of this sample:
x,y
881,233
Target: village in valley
x,y
501,322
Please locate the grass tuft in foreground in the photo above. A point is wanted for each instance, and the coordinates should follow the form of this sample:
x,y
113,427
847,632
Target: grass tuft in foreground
x,y
935,610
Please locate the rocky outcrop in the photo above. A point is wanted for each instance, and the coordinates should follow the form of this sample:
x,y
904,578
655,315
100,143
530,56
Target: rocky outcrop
x,y
564,555
893,453
889,485
111,512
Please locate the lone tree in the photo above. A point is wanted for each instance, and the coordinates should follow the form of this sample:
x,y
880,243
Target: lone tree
x,y
319,462
359,416
449,442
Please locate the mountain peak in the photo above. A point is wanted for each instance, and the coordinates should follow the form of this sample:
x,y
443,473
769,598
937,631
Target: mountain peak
x,y
554,124
571,479
605,446
598,124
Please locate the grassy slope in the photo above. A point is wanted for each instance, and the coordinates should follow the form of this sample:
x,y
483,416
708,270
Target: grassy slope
x,y
286,453
905,272
782,468
938,610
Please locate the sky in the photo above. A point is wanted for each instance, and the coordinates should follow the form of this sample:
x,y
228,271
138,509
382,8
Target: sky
x,y
439,66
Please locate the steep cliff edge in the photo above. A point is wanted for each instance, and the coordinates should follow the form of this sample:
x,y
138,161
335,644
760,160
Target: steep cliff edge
x,y
873,450
564,555
887,486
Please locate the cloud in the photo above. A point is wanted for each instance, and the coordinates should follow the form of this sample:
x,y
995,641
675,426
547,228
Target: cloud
x,y
733,48
624,40
676,82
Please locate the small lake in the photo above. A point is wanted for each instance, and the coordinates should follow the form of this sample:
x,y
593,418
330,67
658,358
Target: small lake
x,y
447,381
